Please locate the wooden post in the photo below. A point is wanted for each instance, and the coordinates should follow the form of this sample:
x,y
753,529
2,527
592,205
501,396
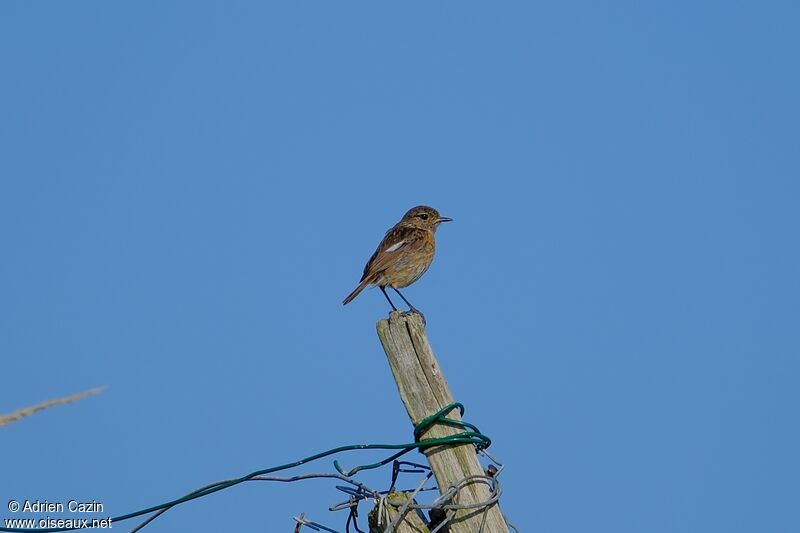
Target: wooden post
x,y
424,392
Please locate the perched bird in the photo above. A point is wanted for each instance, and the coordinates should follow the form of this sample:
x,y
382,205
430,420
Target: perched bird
x,y
404,254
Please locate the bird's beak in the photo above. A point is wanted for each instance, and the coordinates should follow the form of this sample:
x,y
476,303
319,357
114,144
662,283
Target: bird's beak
x,y
443,219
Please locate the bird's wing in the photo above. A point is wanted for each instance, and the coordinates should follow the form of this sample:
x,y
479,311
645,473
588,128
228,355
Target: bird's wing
x,y
395,241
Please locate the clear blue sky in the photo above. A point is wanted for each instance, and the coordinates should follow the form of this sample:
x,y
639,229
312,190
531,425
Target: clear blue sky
x,y
189,189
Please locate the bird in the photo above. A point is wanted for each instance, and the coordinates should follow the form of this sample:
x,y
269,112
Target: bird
x,y
404,254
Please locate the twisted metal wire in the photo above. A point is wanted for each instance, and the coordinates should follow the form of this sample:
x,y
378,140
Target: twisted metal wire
x,y
441,510
447,503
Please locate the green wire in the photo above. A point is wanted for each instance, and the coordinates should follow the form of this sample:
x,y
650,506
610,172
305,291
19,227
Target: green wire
x,y
471,435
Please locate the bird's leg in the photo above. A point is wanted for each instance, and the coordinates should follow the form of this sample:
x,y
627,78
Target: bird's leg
x,y
412,308
383,290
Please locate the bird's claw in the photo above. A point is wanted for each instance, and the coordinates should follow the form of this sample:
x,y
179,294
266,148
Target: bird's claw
x,y
416,311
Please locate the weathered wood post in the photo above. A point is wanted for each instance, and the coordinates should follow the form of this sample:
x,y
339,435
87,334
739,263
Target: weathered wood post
x,y
424,392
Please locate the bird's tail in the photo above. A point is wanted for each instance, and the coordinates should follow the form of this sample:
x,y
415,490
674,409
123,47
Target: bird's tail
x,y
352,295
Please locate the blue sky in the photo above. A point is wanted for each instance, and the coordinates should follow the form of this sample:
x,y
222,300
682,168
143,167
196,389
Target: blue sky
x,y
189,189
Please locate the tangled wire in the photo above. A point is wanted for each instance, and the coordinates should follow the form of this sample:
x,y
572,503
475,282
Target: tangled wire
x,y
391,506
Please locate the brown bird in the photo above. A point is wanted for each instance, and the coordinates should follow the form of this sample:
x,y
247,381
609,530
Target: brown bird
x,y
404,254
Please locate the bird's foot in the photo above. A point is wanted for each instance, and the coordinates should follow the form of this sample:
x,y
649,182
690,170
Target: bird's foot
x,y
416,311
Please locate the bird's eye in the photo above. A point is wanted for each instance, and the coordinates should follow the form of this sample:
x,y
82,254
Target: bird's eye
x,y
424,216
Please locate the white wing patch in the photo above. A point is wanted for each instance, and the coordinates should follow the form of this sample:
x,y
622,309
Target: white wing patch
x,y
396,246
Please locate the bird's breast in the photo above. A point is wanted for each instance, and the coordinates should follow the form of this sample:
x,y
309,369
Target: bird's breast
x,y
410,266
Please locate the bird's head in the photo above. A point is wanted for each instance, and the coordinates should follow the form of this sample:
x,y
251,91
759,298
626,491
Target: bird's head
x,y
423,217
